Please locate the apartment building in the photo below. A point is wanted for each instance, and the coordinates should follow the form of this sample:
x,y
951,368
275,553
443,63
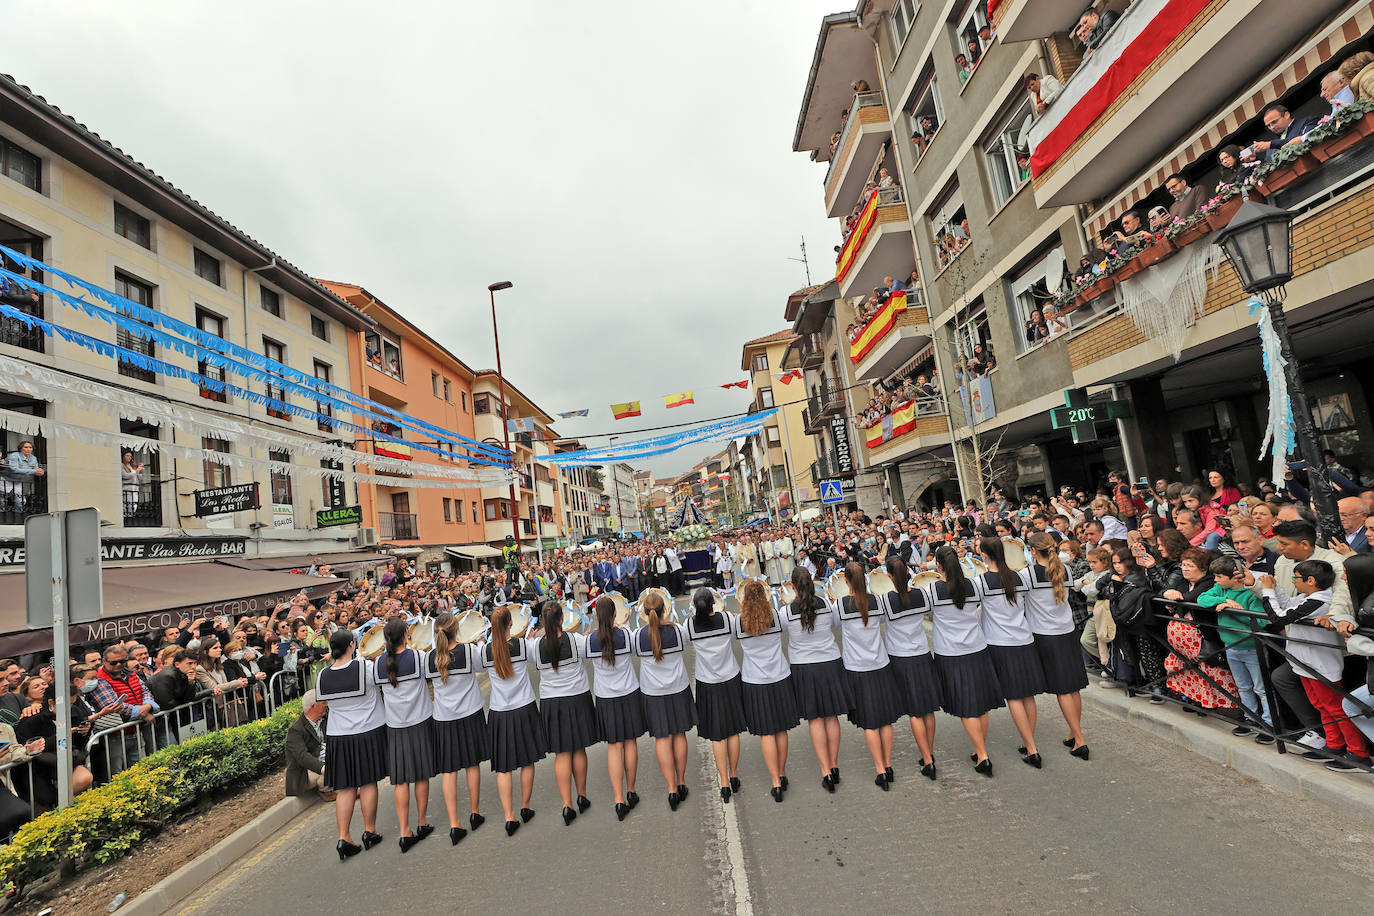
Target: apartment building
x,y
536,518
783,451
394,362
71,200
1005,193
627,516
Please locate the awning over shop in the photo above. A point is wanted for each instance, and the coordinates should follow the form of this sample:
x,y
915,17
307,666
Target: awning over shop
x,y
340,562
145,599
472,551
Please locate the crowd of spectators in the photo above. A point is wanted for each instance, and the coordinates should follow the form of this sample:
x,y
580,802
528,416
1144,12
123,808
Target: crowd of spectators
x,y
868,307
897,393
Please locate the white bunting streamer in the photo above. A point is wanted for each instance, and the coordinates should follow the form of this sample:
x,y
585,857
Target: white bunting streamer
x,y
1279,434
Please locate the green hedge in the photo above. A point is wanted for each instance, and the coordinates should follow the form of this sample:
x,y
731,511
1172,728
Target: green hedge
x,y
108,822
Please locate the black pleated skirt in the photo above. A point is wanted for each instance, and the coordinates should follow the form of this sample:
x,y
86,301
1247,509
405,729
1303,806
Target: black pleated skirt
x,y
569,722
822,689
720,709
770,708
918,683
517,737
1061,657
969,684
673,714
1019,671
354,761
410,753
461,743
620,718
876,701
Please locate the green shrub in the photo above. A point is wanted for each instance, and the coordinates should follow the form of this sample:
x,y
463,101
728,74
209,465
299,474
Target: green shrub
x,y
108,822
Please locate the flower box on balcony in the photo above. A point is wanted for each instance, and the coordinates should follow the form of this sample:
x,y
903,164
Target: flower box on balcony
x,y
1097,289
1129,269
1218,218
1281,178
1155,253
1198,229
1356,134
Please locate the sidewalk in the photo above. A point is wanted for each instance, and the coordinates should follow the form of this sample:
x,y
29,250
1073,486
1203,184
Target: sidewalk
x,y
1351,793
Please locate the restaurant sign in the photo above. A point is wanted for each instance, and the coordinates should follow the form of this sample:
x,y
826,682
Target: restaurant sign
x,y
135,549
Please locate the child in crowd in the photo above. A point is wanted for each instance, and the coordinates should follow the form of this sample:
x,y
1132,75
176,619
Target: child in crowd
x,y
1100,629
1318,655
1242,652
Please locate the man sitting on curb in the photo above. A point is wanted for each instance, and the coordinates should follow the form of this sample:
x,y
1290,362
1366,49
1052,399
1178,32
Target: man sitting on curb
x,y
305,750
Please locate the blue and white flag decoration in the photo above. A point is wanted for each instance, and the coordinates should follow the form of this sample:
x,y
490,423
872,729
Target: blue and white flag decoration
x,y
1278,434
520,424
569,414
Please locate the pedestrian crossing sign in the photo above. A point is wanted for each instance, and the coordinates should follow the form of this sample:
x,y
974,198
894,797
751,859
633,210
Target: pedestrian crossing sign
x,y
832,491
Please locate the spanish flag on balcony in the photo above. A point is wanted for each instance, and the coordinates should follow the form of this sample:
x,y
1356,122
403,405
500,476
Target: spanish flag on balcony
x,y
899,422
856,238
679,399
877,327
390,449
623,411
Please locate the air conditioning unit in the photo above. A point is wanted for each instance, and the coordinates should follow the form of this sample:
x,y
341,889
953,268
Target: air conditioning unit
x,y
366,537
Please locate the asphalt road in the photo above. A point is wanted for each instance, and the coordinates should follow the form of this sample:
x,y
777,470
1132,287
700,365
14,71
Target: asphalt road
x,y
1141,828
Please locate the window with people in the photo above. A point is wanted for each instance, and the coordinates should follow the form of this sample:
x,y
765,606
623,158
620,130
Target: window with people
x,y
1032,296
972,34
866,308
973,344
949,228
923,111
1007,152
384,353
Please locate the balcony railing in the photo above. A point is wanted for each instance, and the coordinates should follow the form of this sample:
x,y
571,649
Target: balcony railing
x,y
827,402
861,100
906,418
397,526
811,419
21,495
811,352
825,467
143,506
16,332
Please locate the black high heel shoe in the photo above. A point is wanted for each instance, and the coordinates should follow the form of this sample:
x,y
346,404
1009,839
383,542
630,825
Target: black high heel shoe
x,y
776,792
408,841
782,781
828,784
1081,752
1068,742
734,784
928,770
621,809
526,814
423,830
881,782
569,815
725,794
476,820
347,849
1033,759
632,799
455,834
583,803
673,800
835,775
511,827
681,792
888,774
985,767
371,839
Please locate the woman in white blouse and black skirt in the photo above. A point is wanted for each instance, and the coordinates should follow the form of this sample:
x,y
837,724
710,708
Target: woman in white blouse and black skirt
x,y
770,704
400,674
818,674
876,703
668,707
720,692
967,676
461,742
913,667
565,705
355,740
1011,642
514,726
619,704
1051,622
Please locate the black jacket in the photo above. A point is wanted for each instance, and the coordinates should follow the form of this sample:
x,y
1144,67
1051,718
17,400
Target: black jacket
x,y
171,688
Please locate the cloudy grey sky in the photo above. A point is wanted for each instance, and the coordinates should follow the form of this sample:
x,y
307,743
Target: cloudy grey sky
x,y
627,165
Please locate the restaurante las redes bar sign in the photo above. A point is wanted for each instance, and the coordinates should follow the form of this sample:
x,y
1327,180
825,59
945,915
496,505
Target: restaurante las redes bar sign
x,y
117,551
227,499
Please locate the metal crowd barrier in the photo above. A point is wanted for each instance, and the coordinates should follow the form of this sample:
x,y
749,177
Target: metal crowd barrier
x,y
1274,653
21,789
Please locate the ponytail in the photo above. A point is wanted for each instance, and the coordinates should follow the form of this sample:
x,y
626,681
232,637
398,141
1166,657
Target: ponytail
x,y
992,548
500,642
858,589
445,638
551,616
1048,552
605,628
653,604
805,588
901,576
703,602
395,635
955,582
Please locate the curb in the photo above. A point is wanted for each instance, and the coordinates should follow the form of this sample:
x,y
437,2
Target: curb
x,y
1348,793
163,896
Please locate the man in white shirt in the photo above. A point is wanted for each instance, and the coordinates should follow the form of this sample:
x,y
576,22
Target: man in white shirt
x,y
783,549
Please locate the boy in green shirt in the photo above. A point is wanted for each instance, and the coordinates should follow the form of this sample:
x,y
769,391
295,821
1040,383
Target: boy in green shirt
x,y
1242,652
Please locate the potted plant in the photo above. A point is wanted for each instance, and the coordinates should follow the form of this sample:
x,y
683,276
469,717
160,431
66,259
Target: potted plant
x,y
1152,254
1219,210
1338,132
1186,231
1286,166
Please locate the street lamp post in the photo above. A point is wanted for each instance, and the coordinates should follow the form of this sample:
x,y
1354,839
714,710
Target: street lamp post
x,y
505,421
1258,243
